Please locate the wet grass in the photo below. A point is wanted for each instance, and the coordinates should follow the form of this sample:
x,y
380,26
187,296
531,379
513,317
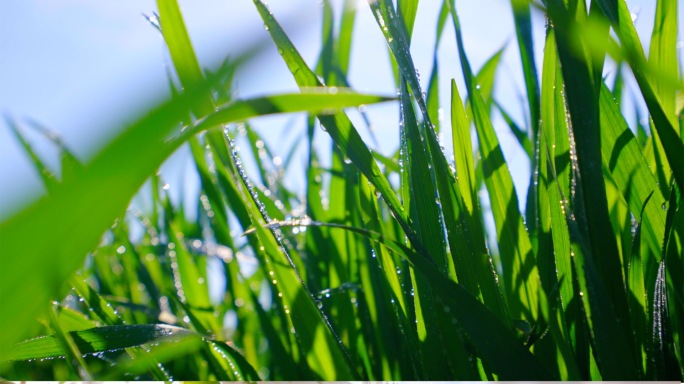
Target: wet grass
x,y
356,276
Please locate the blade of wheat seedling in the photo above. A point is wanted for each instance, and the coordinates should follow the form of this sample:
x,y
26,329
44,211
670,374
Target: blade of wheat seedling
x,y
519,134
71,351
407,10
630,170
433,82
338,126
485,79
94,340
425,213
48,178
164,351
481,268
583,106
521,279
637,292
506,357
663,119
667,304
523,31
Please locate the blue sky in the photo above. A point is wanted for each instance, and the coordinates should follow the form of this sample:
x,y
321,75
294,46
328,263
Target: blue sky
x,y
86,68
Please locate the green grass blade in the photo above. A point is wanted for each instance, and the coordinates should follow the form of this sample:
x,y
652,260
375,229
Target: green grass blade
x,y
556,351
433,82
523,32
338,126
592,214
663,362
49,179
426,216
182,54
663,120
384,288
612,349
399,42
521,280
191,286
99,306
637,292
116,174
425,206
235,365
496,343
282,358
70,165
161,352
485,81
674,280
475,266
94,340
548,270
630,170
324,351
555,134
463,152
344,41
325,101
519,134
407,11
663,54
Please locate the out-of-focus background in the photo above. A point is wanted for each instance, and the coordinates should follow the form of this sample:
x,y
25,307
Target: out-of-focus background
x,y
86,68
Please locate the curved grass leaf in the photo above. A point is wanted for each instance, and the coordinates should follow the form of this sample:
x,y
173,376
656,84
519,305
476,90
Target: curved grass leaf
x,y
663,120
630,170
94,340
160,352
236,367
519,134
637,292
49,179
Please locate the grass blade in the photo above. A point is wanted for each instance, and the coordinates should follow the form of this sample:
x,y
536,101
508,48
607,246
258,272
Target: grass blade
x,y
521,279
476,266
592,214
338,126
663,120
495,342
630,170
426,216
94,340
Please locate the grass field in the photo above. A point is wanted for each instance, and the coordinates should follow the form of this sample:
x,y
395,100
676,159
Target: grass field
x,y
379,267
